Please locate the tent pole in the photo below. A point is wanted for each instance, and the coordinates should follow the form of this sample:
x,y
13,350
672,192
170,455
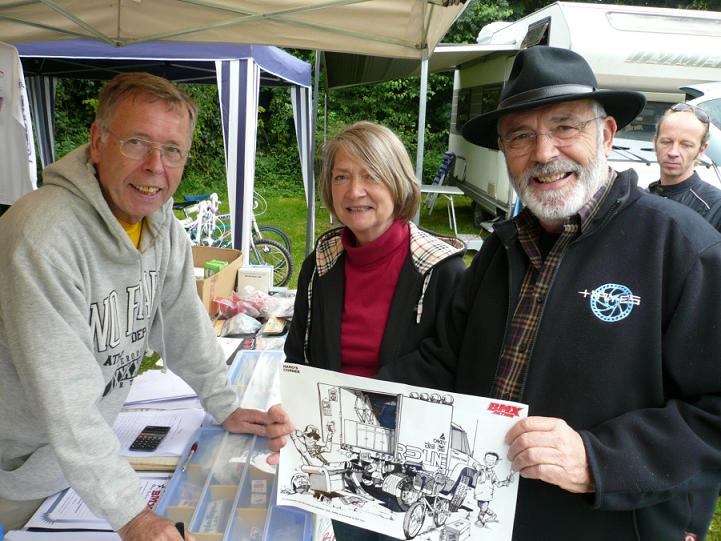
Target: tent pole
x,y
310,226
423,97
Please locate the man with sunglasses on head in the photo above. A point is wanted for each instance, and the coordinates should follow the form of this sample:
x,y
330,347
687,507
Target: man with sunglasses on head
x,y
96,270
682,135
598,306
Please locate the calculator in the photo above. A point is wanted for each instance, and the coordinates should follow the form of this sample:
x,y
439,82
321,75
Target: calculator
x,y
149,438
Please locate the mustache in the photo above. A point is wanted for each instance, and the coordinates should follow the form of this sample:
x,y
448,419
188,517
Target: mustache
x,y
551,168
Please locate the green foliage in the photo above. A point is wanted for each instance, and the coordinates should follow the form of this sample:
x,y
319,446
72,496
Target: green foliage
x,y
205,170
476,15
75,103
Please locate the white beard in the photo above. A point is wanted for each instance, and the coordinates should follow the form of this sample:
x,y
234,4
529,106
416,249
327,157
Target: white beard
x,y
555,206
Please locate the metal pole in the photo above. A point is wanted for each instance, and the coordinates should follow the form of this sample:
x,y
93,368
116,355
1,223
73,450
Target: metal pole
x,y
421,126
310,226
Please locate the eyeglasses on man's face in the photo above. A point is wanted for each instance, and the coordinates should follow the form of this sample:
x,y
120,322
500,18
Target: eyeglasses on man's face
x,y
564,133
137,148
701,115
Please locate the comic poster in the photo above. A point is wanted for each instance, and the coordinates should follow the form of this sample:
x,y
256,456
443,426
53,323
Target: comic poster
x,y
408,462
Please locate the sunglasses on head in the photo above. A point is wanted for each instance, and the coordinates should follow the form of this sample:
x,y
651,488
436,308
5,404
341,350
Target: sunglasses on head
x,y
700,113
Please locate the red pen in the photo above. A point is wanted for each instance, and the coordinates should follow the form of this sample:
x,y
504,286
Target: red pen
x,y
193,449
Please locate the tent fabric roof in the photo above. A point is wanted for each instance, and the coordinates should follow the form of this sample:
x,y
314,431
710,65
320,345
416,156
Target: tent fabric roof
x,y
343,69
177,61
392,28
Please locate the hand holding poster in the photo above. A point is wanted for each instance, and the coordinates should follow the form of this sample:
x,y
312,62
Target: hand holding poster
x,y
408,462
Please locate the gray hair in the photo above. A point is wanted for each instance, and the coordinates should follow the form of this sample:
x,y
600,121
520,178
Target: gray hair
x,y
139,84
384,155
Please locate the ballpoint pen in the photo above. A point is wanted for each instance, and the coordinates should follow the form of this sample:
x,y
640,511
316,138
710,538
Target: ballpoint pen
x,y
193,449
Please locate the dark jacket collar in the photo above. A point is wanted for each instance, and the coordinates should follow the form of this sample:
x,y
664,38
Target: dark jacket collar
x,y
673,189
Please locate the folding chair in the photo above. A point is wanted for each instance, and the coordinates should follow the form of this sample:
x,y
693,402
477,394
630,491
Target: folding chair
x,y
447,163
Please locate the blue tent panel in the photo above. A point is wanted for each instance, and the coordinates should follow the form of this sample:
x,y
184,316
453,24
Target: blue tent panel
x,y
178,61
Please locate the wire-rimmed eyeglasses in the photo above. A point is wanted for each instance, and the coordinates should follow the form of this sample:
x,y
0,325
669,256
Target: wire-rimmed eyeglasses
x,y
524,140
701,115
137,148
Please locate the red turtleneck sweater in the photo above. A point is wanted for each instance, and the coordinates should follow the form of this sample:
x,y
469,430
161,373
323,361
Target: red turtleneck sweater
x,y
371,275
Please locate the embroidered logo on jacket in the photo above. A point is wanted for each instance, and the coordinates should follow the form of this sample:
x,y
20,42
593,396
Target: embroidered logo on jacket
x,y
611,302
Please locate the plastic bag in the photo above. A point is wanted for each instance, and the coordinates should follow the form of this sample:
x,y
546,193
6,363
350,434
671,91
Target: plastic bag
x,y
240,324
278,305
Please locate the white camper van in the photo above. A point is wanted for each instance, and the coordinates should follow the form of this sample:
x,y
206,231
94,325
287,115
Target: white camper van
x,y
654,50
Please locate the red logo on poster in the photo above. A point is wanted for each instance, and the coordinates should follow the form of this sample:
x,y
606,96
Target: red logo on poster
x,y
504,409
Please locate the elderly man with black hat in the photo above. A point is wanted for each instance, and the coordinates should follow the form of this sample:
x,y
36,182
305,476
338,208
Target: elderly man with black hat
x,y
599,306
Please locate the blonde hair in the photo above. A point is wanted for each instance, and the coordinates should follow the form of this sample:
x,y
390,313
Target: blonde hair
x,y
139,84
386,158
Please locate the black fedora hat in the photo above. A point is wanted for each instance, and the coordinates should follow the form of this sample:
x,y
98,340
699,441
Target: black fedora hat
x,y
544,75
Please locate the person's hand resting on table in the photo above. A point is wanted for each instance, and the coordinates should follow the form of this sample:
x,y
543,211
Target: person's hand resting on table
x,y
274,425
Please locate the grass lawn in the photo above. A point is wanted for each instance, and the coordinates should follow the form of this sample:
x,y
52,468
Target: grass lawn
x,y
714,531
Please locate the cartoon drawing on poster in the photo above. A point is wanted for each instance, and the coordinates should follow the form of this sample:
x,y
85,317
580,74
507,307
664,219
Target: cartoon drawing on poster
x,y
408,462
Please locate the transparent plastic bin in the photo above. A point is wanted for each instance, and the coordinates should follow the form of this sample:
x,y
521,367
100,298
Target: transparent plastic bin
x,y
256,377
227,493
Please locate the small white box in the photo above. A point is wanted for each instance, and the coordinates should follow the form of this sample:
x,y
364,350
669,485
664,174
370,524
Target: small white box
x,y
258,276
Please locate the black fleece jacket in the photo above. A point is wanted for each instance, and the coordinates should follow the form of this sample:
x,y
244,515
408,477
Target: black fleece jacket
x,y
696,194
638,376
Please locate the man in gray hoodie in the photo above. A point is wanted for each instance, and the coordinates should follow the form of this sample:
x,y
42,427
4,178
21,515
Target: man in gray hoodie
x,y
96,270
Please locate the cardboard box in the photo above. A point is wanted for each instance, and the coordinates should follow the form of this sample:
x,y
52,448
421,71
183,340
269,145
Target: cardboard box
x,y
221,284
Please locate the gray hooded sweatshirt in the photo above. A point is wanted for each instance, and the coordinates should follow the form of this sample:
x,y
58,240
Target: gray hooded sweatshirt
x,y
79,306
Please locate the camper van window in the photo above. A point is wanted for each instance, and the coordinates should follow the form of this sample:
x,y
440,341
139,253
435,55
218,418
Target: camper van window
x,y
643,126
537,33
472,102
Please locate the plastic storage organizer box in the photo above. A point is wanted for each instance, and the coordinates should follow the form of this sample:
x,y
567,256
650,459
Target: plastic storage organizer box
x,y
227,491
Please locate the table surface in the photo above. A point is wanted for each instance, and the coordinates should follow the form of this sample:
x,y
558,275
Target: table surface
x,y
441,189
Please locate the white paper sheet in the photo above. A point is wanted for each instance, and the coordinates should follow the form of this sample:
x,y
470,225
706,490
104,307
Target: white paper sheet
x,y
66,510
155,385
174,404
183,424
405,461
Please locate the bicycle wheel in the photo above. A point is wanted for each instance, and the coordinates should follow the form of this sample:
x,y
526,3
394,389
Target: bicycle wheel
x,y
270,252
273,233
221,233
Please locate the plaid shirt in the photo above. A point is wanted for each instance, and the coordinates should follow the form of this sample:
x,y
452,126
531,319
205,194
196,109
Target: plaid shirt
x,y
521,336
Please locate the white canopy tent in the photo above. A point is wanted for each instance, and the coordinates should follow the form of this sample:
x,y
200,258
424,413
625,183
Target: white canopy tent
x,y
390,28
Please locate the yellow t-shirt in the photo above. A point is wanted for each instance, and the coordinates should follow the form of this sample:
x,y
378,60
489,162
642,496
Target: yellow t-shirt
x,y
134,231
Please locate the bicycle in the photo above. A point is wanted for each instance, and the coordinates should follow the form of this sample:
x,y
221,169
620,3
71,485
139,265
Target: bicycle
x,y
267,231
208,228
